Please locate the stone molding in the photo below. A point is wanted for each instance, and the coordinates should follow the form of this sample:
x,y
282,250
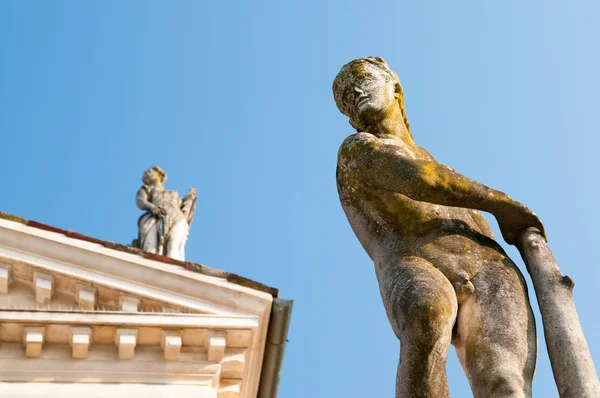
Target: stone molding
x,y
65,302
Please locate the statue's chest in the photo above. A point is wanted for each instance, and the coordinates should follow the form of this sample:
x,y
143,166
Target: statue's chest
x,y
164,197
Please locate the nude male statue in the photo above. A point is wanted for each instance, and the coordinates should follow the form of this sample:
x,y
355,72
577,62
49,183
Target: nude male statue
x,y
442,276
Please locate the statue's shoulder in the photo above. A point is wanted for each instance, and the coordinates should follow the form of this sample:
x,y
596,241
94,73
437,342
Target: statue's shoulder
x,y
358,139
355,143
147,191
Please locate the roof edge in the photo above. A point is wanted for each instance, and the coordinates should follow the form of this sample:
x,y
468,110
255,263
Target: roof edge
x,y
194,267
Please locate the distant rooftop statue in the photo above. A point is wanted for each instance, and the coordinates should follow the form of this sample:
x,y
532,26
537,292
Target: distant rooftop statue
x,y
163,229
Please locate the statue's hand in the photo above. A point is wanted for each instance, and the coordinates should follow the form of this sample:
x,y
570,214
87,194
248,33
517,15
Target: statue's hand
x,y
157,211
514,218
192,193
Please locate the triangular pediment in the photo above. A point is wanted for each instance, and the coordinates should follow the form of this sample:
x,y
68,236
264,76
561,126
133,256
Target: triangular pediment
x,y
56,290
36,283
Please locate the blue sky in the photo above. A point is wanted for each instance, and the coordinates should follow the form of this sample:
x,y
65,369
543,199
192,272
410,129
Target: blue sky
x,y
235,100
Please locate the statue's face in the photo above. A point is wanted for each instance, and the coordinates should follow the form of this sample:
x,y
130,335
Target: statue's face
x,y
368,96
151,176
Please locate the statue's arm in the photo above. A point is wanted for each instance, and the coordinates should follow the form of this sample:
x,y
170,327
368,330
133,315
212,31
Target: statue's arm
x,y
483,225
143,203
388,167
188,205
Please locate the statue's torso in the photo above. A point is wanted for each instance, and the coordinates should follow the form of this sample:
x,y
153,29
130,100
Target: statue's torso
x,y
169,201
163,197
392,227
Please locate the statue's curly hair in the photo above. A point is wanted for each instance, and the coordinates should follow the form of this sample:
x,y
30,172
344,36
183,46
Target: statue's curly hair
x,y
347,75
161,173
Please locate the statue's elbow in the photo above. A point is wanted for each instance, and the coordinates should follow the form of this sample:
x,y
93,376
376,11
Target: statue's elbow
x,y
143,204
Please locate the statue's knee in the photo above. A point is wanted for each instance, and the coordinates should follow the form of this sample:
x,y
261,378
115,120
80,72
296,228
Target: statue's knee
x,y
505,383
427,320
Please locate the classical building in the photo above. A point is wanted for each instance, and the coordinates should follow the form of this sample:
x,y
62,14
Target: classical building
x,y
81,317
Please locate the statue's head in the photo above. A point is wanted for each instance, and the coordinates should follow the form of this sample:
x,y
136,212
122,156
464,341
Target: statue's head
x,y
153,175
365,89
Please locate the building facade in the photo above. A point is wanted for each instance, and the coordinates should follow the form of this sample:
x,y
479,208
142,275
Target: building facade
x,y
80,317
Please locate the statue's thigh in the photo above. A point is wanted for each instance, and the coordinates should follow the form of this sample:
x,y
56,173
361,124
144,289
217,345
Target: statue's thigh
x,y
178,234
150,239
419,300
495,334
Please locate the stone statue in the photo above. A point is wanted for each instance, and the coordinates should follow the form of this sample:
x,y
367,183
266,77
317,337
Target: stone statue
x,y
163,228
442,276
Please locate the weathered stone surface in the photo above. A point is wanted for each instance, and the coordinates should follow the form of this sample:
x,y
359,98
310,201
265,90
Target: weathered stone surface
x,y
86,297
164,228
79,340
44,285
126,340
215,344
443,278
4,277
171,344
572,364
33,338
